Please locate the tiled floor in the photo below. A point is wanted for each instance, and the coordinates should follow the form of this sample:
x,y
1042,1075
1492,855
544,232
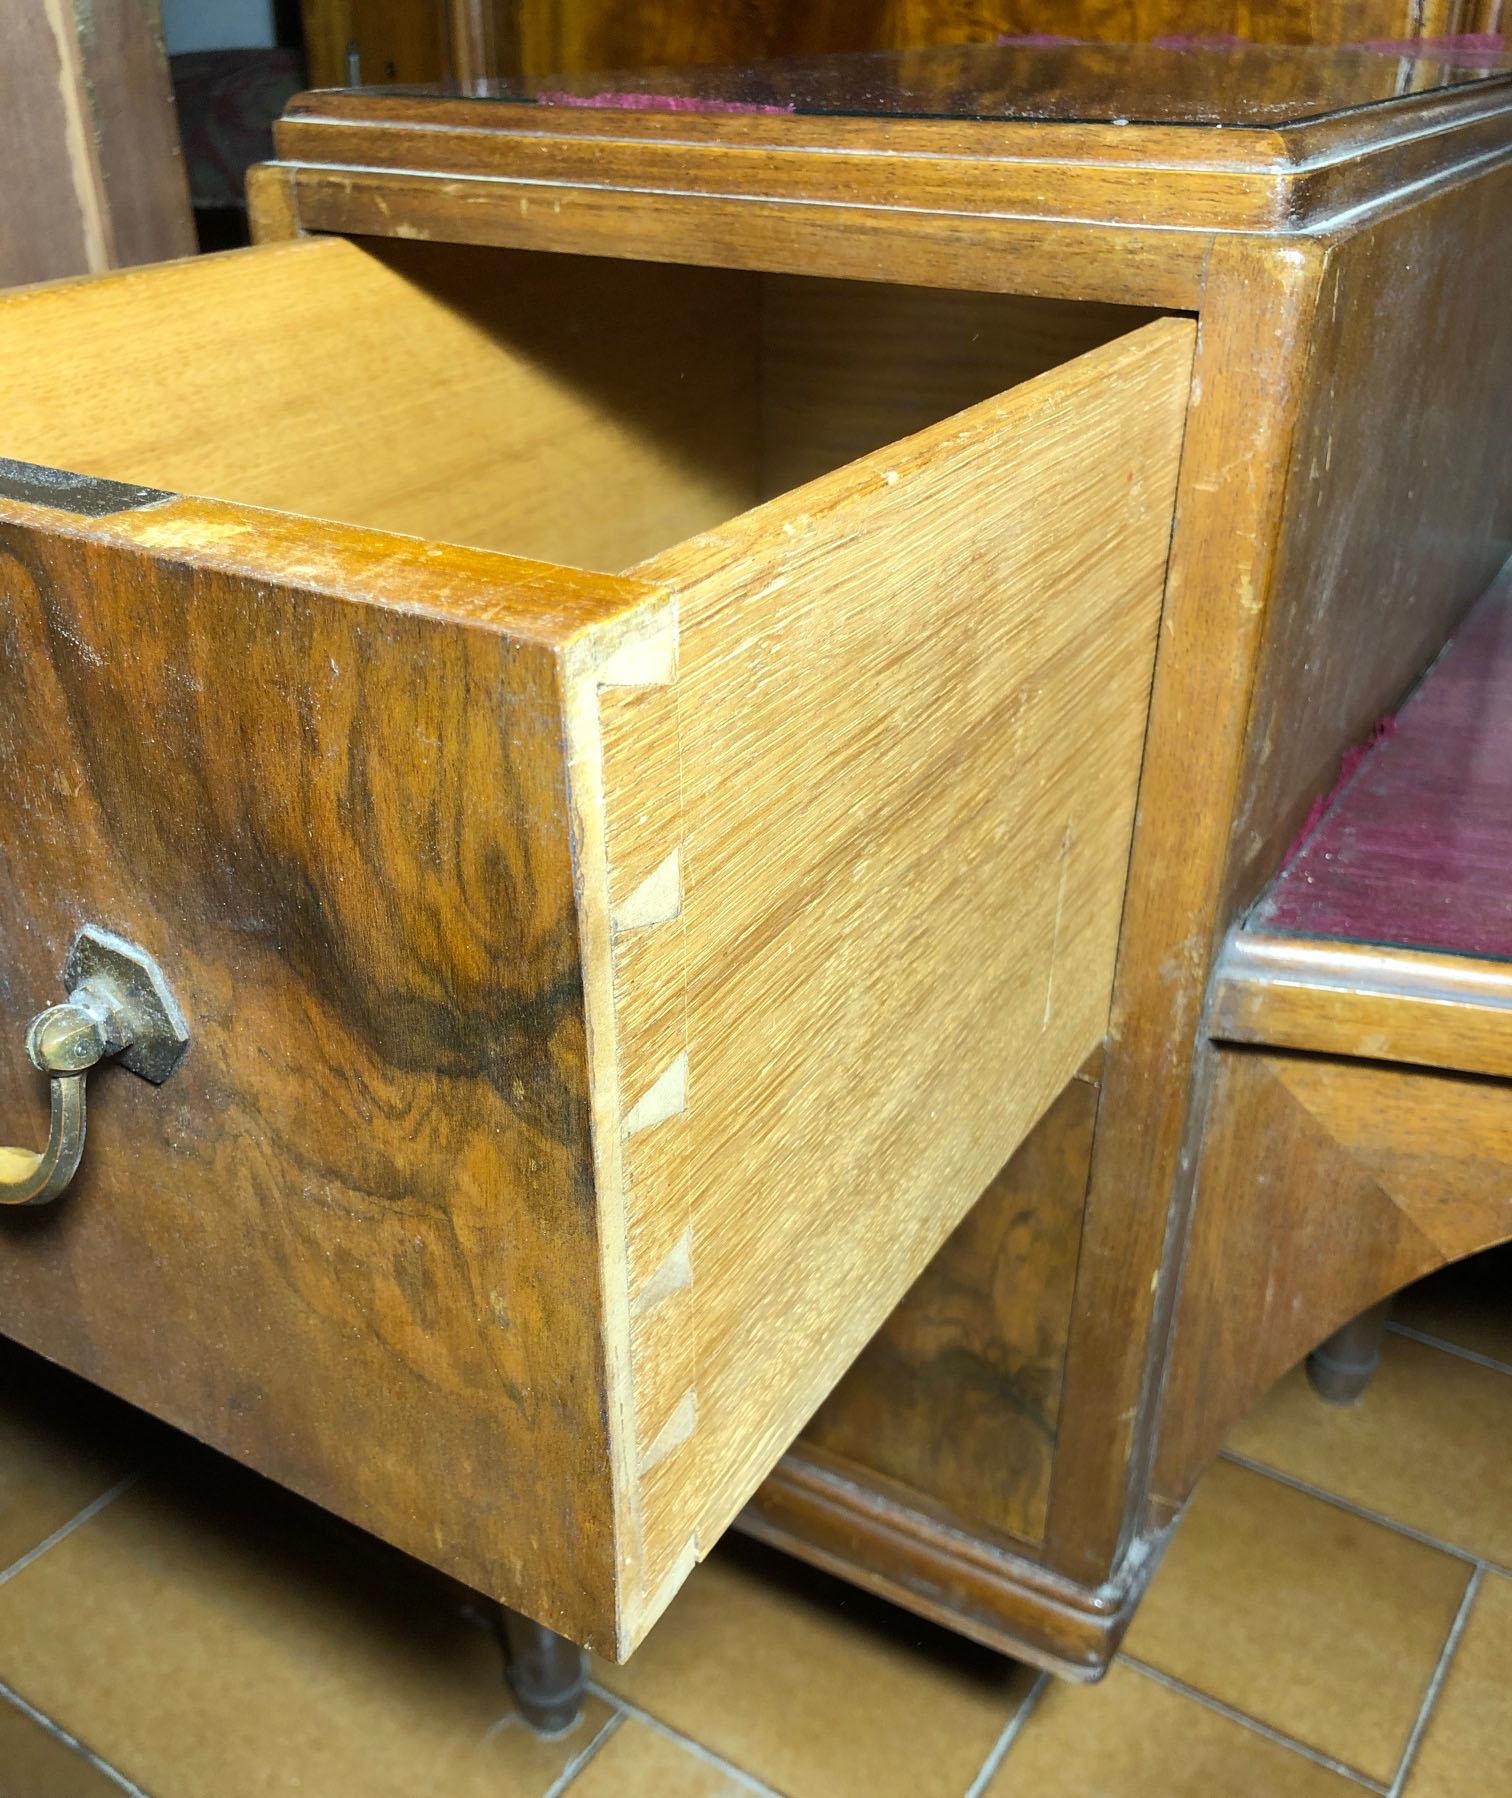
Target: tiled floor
x,y
1334,1616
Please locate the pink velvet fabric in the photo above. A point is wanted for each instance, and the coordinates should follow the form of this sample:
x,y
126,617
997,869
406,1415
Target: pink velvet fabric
x,y
1414,848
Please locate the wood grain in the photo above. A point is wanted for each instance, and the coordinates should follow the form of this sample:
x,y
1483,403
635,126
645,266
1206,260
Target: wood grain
x,y
1365,588
1394,532
957,1397
492,37
462,396
1326,1186
94,175
1443,1011
710,1318
316,772
1314,1238
1059,260
890,1540
1308,540
394,40
536,38
849,366
889,716
523,164
1439,1145
1247,384
888,975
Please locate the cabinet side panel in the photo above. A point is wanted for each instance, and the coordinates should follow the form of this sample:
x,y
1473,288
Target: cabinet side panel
x,y
1399,504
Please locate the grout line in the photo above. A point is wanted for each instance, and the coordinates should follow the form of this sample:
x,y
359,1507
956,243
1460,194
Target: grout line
x,y
92,1509
1363,1511
584,1755
60,1734
1451,1348
1315,1755
696,1749
998,1752
1436,1684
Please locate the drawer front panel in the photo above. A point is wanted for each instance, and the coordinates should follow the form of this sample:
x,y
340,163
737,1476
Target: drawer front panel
x,y
353,1240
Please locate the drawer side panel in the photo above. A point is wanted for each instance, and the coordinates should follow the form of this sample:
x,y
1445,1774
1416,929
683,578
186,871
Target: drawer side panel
x,y
911,706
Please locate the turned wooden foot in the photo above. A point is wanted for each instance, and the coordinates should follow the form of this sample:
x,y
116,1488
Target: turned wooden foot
x,y
546,1673
1341,1368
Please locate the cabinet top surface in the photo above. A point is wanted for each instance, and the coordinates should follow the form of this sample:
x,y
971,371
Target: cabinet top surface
x,y
1045,81
991,147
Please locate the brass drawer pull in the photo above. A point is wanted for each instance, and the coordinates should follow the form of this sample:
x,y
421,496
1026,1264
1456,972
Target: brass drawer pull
x,y
118,1004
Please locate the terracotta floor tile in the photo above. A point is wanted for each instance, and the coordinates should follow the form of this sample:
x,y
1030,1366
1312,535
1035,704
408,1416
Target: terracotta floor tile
x,y
816,1688
62,1443
1132,1737
1456,1482
1467,1750
38,1765
640,1762
1465,1304
207,1633
1323,1625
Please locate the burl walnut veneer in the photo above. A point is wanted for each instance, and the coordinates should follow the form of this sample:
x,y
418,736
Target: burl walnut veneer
x,y
1012,480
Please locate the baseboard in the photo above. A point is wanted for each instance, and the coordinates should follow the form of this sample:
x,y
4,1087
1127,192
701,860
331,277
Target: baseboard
x,y
833,1516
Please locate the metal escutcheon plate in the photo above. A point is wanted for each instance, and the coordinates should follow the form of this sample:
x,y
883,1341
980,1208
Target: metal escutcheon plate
x,y
161,1036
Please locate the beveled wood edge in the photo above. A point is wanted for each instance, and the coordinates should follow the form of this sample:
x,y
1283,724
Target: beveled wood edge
x,y
1367,1001
1121,265
570,611
818,1508
970,187
1262,182
1295,147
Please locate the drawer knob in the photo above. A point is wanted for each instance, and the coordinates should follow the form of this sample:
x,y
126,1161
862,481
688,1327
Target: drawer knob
x,y
118,1005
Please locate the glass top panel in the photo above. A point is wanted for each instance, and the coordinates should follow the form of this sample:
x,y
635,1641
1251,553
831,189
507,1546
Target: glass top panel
x,y
1167,82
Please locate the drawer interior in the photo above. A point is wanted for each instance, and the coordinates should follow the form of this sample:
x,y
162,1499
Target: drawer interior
x,y
575,410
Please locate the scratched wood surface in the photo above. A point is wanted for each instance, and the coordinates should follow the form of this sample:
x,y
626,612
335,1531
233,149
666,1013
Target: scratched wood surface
x,y
1288,627
1320,150
316,773
1407,1005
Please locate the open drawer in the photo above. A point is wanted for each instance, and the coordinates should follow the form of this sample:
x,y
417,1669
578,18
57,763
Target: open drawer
x,y
605,991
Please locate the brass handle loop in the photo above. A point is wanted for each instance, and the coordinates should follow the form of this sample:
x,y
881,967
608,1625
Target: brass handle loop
x,y
118,1005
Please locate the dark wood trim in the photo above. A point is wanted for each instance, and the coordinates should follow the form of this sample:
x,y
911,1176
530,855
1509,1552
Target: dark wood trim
x,y
844,1520
1230,513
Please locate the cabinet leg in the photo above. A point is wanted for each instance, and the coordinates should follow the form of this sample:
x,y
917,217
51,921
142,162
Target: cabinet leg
x,y
546,1673
1341,1368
